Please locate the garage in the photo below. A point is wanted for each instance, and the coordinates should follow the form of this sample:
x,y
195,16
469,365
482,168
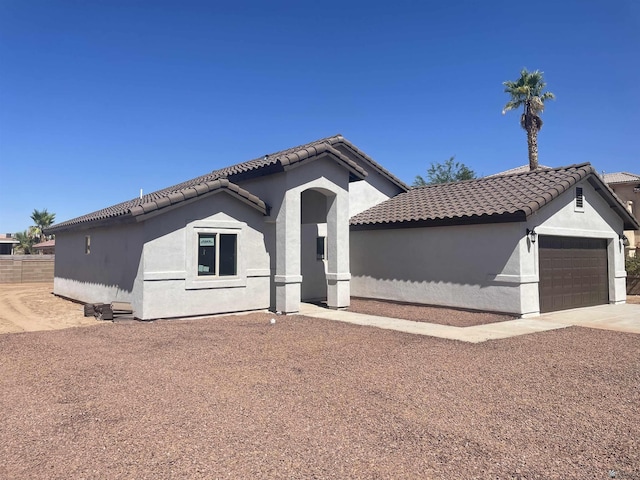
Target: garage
x,y
573,272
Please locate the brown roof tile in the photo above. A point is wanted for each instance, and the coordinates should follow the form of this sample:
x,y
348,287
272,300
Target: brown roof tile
x,y
485,200
265,165
620,177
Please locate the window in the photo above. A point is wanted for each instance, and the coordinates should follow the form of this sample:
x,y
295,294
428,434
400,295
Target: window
x,y
579,200
217,254
87,244
320,248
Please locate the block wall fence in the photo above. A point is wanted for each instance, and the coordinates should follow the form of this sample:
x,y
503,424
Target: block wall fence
x,y
26,268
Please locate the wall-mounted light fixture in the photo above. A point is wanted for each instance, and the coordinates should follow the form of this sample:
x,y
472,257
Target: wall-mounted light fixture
x,y
532,234
624,240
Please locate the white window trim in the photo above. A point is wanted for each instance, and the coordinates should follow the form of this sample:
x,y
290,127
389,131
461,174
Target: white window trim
x,y
193,281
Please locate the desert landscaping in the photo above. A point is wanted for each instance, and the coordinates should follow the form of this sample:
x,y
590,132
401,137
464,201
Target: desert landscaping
x,y
239,397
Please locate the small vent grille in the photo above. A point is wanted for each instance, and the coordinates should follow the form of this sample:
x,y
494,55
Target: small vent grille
x,y
579,198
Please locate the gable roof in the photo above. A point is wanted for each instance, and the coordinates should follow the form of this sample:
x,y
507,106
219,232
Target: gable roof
x,y
503,198
620,177
223,179
155,201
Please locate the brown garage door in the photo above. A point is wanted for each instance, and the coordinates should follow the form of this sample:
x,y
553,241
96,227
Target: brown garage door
x,y
573,272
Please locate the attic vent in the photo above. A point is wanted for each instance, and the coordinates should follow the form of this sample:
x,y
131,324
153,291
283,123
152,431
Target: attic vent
x,y
579,198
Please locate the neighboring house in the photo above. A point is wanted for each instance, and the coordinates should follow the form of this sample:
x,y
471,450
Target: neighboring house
x,y
627,187
266,233
524,243
520,169
48,247
275,231
7,244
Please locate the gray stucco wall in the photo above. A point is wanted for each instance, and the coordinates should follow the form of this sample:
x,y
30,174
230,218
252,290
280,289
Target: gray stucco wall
x,y
171,286
487,267
108,272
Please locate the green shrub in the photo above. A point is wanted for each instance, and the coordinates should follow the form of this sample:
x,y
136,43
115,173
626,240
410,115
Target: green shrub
x,y
633,265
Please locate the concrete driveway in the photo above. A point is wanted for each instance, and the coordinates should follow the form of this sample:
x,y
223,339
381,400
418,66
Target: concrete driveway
x,y
622,318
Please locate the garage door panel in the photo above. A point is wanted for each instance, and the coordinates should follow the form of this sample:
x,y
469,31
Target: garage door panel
x,y
573,272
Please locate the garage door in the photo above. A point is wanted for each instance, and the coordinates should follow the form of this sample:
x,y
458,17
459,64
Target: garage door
x,y
573,272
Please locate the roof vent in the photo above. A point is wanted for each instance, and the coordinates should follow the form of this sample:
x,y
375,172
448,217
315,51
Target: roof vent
x,y
579,198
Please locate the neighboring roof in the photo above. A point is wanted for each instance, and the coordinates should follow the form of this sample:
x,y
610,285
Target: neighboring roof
x,y
265,165
620,177
5,239
521,169
504,198
46,244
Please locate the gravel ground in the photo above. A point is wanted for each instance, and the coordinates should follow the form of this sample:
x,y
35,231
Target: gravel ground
x,y
425,313
633,299
235,397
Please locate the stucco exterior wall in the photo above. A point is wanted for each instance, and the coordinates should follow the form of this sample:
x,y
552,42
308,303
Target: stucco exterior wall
x,y
630,198
171,286
487,267
104,275
472,266
596,220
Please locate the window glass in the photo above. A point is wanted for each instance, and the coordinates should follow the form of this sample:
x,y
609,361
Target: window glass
x,y
228,263
320,251
206,254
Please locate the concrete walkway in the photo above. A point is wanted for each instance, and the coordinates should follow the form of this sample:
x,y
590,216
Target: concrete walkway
x,y
623,318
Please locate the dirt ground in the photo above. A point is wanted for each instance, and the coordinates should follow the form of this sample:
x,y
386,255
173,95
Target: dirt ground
x,y
425,313
305,398
30,307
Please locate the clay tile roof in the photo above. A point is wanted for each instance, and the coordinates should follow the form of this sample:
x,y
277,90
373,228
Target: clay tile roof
x,y
485,200
158,200
222,178
45,244
620,177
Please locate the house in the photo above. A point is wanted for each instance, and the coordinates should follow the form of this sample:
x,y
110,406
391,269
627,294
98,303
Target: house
x,y
325,221
48,247
266,233
7,243
627,187
525,243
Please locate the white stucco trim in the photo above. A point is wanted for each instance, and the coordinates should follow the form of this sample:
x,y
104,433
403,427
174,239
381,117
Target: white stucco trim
x,y
258,272
283,279
157,276
338,277
519,279
574,232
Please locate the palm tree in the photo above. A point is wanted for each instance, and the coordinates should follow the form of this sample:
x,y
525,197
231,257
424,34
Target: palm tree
x,y
41,220
527,91
25,243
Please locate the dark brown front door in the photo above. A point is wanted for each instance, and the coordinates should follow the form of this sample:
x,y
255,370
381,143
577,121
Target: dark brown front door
x,y
573,272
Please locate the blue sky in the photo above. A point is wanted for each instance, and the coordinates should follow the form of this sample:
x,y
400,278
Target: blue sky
x,y
99,99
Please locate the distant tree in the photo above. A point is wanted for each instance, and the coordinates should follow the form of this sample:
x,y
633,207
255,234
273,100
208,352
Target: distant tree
x,y
449,171
527,91
41,220
25,244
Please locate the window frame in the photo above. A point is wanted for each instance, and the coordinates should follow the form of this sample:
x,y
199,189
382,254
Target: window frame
x,y
218,257
193,280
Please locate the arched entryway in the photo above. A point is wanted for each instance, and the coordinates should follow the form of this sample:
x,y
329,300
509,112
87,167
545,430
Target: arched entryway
x,y
317,209
313,244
